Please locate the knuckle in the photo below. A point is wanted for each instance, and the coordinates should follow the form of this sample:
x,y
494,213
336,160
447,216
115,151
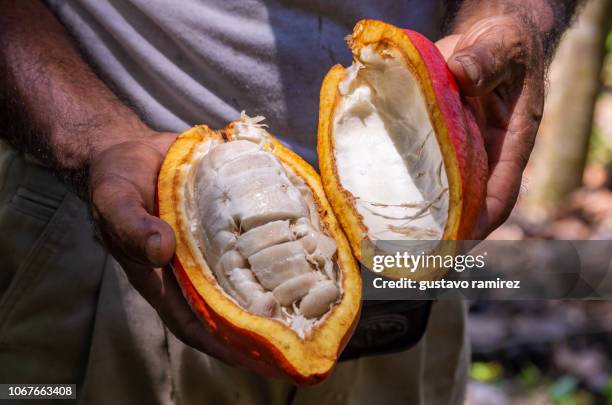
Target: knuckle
x,y
106,189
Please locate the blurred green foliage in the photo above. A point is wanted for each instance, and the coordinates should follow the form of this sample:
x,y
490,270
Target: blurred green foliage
x,y
600,151
486,371
530,376
562,391
608,390
607,68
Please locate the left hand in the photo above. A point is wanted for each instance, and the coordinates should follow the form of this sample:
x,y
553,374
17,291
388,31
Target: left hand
x,y
123,178
499,65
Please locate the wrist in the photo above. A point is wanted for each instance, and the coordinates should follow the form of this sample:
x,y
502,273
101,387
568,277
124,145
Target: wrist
x,y
77,142
115,133
73,159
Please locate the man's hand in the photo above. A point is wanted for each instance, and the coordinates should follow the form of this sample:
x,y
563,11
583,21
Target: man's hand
x,y
123,180
499,65
498,52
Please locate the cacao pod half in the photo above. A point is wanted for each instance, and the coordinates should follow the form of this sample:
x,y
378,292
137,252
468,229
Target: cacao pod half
x,y
400,154
260,256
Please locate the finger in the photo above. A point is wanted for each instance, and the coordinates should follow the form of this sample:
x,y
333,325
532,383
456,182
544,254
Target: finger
x,y
508,150
120,210
446,45
502,192
123,183
488,54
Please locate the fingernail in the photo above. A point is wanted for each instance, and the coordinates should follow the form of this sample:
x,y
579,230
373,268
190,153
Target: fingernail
x,y
470,67
153,247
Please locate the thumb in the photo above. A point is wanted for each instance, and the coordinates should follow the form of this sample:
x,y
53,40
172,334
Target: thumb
x,y
487,55
129,228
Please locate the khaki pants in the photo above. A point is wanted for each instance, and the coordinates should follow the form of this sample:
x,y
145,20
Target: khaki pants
x,y
69,315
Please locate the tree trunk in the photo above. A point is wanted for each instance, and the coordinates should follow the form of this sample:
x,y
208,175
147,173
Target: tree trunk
x,y
558,160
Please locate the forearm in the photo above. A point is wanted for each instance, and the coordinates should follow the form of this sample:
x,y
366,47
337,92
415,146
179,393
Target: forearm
x,y
52,104
548,18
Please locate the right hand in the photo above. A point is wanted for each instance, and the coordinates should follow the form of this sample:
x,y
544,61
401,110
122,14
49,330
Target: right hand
x,y
499,65
123,180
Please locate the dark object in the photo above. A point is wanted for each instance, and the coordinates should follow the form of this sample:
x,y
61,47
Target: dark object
x,y
388,327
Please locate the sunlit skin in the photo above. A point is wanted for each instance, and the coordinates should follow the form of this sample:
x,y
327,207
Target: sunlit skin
x,y
499,66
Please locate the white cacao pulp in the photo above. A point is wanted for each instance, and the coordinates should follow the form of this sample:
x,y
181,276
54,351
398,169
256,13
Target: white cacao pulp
x,y
386,151
258,228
